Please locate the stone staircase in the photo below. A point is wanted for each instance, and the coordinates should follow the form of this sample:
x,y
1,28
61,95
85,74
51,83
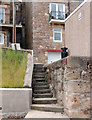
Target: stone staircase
x,y
42,97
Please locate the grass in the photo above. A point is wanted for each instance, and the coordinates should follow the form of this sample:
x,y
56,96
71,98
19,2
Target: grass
x,y
13,69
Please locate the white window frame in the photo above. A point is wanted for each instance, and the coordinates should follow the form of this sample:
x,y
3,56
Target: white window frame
x,y
57,32
4,15
57,9
3,39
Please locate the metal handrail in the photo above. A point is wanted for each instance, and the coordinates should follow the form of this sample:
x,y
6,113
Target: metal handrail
x,y
58,15
8,19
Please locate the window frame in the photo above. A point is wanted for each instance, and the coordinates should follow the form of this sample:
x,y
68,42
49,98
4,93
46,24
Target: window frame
x,y
57,9
3,38
4,15
57,32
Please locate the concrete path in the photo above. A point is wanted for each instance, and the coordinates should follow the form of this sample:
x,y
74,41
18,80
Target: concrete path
x,y
43,114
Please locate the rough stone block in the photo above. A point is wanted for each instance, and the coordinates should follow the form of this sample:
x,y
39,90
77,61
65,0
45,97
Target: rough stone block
x,y
72,74
72,101
77,113
85,103
78,86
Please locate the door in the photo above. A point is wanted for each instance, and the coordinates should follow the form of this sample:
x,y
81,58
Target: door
x,y
53,56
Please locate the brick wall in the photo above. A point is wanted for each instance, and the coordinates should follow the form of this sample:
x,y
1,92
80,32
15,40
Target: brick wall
x,y
43,32
39,35
7,35
6,6
70,82
7,30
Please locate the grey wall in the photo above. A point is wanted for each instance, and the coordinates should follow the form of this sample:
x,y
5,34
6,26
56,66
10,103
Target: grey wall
x,y
29,25
15,102
77,32
91,29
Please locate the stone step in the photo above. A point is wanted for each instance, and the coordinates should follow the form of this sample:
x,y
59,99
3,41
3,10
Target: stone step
x,y
38,79
44,101
36,65
42,91
46,95
39,70
48,107
38,76
39,73
41,87
40,83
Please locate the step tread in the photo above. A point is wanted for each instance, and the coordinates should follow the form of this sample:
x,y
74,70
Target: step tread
x,y
44,94
40,83
39,73
41,86
47,105
43,99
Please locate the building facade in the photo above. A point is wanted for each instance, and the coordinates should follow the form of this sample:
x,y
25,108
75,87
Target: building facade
x,y
46,35
6,23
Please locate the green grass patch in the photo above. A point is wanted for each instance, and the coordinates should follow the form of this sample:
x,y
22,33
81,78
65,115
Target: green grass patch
x,y
13,68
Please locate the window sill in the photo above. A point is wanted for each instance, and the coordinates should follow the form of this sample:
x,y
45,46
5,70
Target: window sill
x,y
57,41
57,21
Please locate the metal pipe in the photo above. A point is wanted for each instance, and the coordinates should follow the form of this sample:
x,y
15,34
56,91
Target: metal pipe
x,y
14,22
68,7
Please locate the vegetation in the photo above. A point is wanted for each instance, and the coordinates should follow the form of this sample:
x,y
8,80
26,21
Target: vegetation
x,y
13,68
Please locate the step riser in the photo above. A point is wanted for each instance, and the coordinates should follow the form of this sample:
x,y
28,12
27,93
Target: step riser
x,y
38,77
39,70
40,84
48,109
37,80
45,102
43,96
41,92
38,67
40,88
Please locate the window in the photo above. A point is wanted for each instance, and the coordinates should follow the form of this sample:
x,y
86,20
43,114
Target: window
x,y
2,15
57,34
57,11
1,38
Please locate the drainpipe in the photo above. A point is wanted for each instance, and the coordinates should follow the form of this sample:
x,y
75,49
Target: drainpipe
x,y
68,7
14,25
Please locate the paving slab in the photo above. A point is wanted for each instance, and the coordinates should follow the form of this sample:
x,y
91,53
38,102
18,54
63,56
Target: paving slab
x,y
42,114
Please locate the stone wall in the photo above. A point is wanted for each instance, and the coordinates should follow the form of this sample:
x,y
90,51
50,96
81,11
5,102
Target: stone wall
x,y
70,82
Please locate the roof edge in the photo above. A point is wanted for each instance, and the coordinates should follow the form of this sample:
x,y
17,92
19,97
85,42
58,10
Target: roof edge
x,y
77,9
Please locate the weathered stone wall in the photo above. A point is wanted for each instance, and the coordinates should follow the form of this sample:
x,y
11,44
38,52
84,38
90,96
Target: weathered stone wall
x,y
70,82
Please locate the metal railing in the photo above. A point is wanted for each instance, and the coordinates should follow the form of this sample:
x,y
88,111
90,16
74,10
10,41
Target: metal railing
x,y
58,15
8,19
